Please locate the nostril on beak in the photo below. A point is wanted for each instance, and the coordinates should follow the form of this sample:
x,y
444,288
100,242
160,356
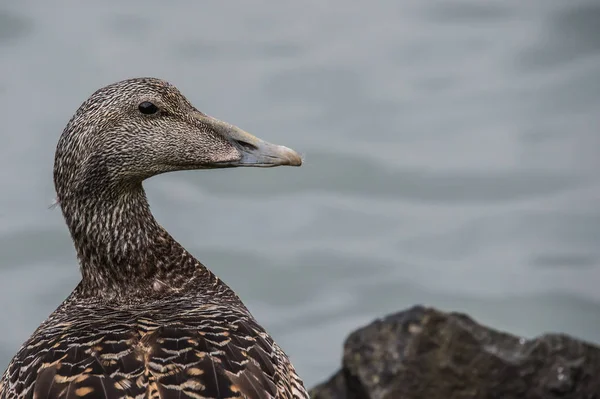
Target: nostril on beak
x,y
247,146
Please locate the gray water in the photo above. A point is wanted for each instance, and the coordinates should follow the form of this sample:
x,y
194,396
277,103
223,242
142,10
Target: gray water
x,y
452,157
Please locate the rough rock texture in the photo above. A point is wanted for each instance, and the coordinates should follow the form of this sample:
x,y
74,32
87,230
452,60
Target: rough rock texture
x,y
423,353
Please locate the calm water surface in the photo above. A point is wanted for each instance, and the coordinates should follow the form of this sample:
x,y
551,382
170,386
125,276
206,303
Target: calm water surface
x,y
452,157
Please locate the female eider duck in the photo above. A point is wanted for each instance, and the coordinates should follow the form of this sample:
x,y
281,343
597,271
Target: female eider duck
x,y
147,320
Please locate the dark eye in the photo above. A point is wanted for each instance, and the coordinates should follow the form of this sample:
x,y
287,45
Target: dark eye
x,y
147,108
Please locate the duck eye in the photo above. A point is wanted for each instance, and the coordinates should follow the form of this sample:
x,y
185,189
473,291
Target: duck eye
x,y
147,108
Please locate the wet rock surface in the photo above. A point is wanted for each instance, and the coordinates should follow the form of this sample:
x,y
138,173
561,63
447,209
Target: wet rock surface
x,y
428,354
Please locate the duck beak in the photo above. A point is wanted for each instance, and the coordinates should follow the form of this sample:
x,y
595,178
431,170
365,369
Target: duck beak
x,y
254,151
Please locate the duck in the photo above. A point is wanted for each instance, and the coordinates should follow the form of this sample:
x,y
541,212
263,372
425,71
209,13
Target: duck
x,y
147,319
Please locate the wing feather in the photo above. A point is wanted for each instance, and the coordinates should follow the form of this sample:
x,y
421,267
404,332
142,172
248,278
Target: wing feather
x,y
194,355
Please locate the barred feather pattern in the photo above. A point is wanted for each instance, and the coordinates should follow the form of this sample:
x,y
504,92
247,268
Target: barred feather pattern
x,y
90,350
147,320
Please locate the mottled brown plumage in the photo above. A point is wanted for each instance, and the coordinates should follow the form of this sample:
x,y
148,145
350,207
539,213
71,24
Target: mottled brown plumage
x,y
147,320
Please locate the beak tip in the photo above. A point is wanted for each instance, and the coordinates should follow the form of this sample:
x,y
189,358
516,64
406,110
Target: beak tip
x,y
293,158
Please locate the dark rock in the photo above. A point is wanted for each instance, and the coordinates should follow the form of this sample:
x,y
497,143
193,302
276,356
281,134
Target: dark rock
x,y
423,353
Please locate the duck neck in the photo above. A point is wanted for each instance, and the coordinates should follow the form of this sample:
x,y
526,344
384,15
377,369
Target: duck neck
x,y
124,253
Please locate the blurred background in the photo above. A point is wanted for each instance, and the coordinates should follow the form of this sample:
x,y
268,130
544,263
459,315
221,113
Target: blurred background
x,y
452,157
